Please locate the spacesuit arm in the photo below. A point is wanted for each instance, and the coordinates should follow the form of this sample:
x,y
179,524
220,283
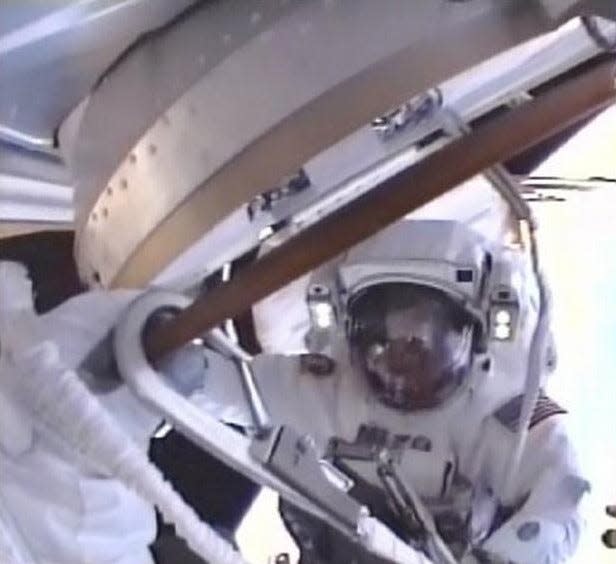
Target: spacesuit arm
x,y
211,381
546,524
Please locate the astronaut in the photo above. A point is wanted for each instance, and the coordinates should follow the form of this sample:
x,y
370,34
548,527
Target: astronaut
x,y
419,350
420,341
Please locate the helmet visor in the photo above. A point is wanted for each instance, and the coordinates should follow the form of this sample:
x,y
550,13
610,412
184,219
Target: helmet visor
x,y
412,342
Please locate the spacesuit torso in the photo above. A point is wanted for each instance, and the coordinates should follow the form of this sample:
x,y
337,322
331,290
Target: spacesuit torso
x,y
452,457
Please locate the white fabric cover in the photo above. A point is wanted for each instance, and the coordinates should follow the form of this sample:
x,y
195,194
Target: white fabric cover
x,y
66,511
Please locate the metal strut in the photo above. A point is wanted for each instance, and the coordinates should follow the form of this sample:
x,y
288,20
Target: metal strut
x,y
412,511
495,141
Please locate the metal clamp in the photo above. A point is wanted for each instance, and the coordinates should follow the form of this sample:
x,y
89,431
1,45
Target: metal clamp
x,y
293,458
258,409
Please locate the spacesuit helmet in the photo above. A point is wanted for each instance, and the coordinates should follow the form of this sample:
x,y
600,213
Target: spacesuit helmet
x,y
410,298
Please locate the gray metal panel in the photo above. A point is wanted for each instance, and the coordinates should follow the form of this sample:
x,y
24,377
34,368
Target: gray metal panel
x,y
34,189
278,86
151,78
23,200
19,162
352,166
53,52
17,14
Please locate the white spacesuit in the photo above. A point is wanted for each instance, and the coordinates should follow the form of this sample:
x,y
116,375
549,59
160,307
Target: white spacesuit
x,y
430,329
56,506
420,344
76,484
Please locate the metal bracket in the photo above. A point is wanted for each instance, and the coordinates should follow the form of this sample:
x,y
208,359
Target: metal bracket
x,y
293,458
408,115
258,408
267,201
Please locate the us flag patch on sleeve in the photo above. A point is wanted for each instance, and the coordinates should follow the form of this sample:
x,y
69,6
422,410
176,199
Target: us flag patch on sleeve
x,y
509,414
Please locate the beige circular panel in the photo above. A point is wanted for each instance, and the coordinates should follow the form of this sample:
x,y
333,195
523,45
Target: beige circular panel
x,y
219,107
